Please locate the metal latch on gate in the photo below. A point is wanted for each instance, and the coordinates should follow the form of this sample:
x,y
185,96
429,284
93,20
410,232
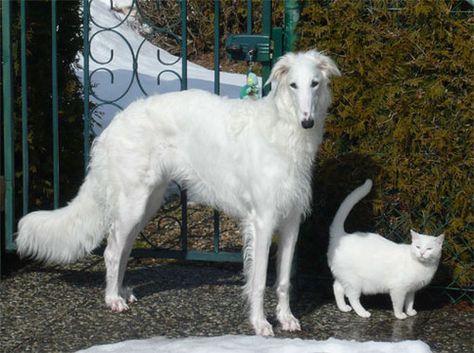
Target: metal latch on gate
x,y
249,47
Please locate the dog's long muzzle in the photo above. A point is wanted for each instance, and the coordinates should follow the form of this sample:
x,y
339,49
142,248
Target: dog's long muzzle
x,y
307,123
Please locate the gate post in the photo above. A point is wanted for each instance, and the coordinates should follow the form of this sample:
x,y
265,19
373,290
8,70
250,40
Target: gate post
x,y
292,15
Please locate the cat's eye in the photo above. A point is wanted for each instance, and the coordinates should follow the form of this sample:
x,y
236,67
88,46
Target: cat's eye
x,y
314,83
293,85
429,249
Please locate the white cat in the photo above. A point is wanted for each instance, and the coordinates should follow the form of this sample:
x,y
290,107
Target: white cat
x,y
367,263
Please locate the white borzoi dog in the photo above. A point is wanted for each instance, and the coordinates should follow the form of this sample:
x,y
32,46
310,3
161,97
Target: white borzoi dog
x,y
250,159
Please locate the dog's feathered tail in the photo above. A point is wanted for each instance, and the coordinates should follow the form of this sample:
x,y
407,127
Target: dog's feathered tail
x,y
66,234
337,227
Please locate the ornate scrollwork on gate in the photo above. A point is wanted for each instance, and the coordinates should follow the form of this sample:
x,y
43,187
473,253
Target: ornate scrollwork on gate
x,y
120,52
117,78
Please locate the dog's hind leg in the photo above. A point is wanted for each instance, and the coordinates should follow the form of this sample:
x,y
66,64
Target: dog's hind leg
x,y
133,211
256,270
288,234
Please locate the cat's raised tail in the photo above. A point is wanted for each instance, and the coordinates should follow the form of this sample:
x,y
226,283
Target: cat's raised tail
x,y
337,227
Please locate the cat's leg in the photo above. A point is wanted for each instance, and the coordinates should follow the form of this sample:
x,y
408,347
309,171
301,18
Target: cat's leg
x,y
339,296
288,234
354,299
409,301
398,299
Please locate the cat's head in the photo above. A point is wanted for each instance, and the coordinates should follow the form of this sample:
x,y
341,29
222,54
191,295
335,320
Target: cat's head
x,y
426,248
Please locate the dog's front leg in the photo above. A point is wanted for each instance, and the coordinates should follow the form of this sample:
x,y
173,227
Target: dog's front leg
x,y
257,277
288,233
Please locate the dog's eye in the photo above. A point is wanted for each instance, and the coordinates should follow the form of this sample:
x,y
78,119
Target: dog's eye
x,y
314,84
293,85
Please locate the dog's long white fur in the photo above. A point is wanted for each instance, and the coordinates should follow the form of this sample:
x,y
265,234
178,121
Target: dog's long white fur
x,y
250,159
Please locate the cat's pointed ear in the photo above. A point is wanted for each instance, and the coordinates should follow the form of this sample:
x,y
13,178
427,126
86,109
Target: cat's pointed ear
x,y
440,239
414,235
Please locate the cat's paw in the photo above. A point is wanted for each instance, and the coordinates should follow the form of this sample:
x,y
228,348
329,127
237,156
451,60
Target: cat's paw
x,y
365,314
401,316
116,303
263,328
411,312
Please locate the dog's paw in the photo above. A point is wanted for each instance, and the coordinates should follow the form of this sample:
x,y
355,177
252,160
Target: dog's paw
x,y
365,314
345,309
411,312
132,298
401,316
263,328
116,304
290,323
127,293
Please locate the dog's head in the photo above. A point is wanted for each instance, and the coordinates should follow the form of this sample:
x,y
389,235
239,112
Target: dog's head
x,y
301,79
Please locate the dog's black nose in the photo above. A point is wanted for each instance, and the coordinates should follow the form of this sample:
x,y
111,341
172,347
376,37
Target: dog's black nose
x,y
307,124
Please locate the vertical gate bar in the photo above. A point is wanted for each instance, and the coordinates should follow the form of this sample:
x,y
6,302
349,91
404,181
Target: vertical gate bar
x,y
216,91
184,86
216,47
184,220
184,45
277,39
249,16
267,31
86,87
217,231
54,82
24,108
8,148
267,18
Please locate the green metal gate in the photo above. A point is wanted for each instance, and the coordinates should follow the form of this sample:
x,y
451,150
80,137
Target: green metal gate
x,y
16,180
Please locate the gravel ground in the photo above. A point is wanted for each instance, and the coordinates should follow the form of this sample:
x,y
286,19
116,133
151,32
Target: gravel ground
x,y
61,309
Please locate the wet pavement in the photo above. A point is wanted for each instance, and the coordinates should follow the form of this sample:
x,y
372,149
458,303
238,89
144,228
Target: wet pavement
x,y
61,309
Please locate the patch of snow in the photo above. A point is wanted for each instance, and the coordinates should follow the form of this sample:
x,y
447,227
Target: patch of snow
x,y
256,344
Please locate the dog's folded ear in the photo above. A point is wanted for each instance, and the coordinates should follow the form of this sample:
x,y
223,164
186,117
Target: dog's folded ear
x,y
324,63
281,68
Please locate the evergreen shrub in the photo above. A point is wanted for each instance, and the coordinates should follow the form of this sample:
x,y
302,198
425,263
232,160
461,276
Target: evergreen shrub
x,y
402,115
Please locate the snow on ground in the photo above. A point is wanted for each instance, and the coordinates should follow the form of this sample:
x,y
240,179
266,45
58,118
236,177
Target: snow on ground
x,y
256,344
113,53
